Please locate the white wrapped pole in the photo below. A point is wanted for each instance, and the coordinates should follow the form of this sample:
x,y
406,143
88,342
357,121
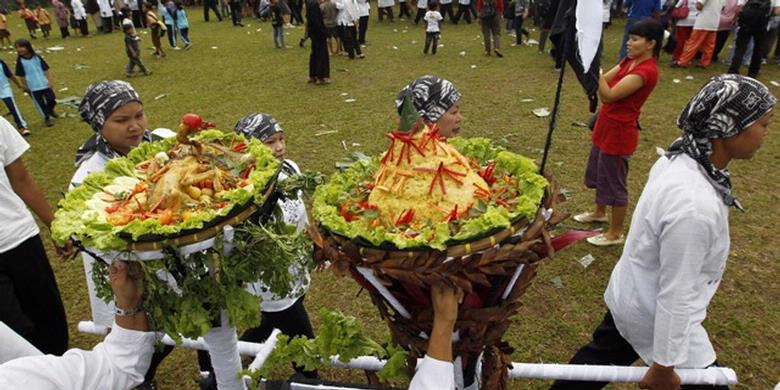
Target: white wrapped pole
x,y
265,350
708,376
222,343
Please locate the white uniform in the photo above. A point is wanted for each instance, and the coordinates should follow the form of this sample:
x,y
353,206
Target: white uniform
x,y
106,8
385,3
433,374
78,10
671,266
709,17
119,362
17,224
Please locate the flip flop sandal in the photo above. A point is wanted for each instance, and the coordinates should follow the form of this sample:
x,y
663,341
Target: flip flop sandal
x,y
602,240
587,217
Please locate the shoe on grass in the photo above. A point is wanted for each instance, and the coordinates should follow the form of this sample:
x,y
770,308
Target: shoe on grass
x,y
588,217
602,240
48,122
498,53
24,131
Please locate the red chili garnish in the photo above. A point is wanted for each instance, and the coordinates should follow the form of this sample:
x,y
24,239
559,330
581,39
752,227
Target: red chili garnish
x,y
487,173
245,173
502,202
453,214
344,211
364,205
405,218
239,147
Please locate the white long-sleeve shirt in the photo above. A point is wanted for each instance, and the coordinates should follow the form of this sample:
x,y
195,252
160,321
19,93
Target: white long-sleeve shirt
x,y
118,363
78,10
348,14
433,374
671,266
709,17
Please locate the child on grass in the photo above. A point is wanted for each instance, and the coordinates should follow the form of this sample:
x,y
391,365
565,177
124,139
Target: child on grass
x,y
29,19
183,24
432,31
277,22
44,21
5,35
8,97
132,47
33,72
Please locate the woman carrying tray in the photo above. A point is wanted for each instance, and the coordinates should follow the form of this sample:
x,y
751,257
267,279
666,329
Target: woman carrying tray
x,y
115,112
678,244
286,313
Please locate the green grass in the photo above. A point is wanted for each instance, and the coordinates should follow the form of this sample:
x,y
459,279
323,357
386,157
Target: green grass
x,y
246,74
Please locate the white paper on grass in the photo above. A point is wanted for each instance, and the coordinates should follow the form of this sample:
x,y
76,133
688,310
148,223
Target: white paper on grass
x,y
689,77
589,24
676,81
541,112
557,282
587,260
776,84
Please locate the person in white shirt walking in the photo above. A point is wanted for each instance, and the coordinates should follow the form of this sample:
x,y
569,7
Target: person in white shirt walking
x,y
363,8
433,18
677,248
705,31
348,19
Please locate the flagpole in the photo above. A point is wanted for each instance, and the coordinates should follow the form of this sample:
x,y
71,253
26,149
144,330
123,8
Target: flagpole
x,y
556,104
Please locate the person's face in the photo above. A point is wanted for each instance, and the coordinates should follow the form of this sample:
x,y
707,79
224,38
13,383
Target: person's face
x,y
449,123
277,145
124,128
638,46
22,50
745,144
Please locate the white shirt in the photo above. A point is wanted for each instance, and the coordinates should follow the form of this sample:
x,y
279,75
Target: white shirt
x,y
433,374
118,363
363,8
347,12
445,1
106,10
432,18
293,213
692,11
464,2
709,17
385,3
78,9
422,4
16,222
671,266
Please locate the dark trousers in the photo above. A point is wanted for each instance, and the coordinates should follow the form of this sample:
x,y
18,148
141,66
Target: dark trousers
x,y
363,23
388,11
349,40
64,32
491,32
44,100
84,27
608,347
133,62
108,24
185,35
157,357
463,11
403,10
420,13
235,12
743,37
319,60
30,302
431,37
720,42
138,19
10,103
293,321
296,7
210,5
446,11
519,30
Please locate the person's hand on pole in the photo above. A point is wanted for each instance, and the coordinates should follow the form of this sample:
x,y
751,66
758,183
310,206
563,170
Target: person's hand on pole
x,y
659,377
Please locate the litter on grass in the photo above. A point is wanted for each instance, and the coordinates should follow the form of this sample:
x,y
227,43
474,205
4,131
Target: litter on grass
x,y
62,89
473,67
676,81
775,83
557,282
462,54
395,47
344,94
526,100
344,145
214,48
541,112
579,124
326,132
689,77
349,100
587,260
80,66
158,97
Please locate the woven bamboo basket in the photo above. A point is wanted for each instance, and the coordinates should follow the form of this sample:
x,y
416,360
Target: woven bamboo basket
x,y
493,271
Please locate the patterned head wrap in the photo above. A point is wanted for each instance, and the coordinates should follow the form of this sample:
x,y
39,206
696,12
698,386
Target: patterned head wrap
x,y
103,98
260,126
432,96
99,102
722,108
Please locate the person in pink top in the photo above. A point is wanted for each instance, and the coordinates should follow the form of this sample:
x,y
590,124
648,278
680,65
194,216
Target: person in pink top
x,y
728,18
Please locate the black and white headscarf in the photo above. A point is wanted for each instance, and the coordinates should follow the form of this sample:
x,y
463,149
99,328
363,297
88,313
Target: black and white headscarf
x,y
99,102
722,108
260,126
432,96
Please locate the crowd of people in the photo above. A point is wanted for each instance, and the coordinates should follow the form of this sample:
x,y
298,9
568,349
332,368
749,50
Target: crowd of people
x,y
674,255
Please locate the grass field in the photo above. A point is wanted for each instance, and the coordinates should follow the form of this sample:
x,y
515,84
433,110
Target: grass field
x,y
234,71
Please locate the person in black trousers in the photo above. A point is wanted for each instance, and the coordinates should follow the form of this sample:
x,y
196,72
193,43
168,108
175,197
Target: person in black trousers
x,y
403,9
420,13
235,12
750,28
464,11
319,60
210,5
362,28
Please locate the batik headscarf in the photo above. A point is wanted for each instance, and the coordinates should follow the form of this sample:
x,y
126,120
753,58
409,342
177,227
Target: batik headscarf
x,y
260,126
722,108
432,96
99,102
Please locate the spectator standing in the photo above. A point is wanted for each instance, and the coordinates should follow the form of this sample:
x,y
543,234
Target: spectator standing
x,y
433,19
156,30
363,8
133,50
319,60
403,9
137,15
422,7
7,95
728,18
490,12
753,20
106,15
683,28
80,15
168,11
348,20
62,15
5,35
445,9
183,25
329,14
277,23
385,7
638,10
521,12
235,12
704,33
